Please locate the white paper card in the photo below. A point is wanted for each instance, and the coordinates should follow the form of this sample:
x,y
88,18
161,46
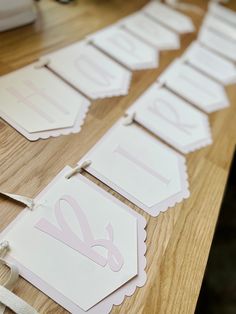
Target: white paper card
x,y
211,63
194,86
220,26
126,48
90,71
91,256
139,167
174,120
223,12
151,32
218,43
39,104
173,19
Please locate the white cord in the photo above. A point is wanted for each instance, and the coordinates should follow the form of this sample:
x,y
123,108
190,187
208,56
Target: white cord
x,y
29,202
78,169
8,298
41,63
129,118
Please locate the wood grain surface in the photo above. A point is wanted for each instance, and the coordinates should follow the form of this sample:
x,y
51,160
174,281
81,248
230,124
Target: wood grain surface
x,y
179,240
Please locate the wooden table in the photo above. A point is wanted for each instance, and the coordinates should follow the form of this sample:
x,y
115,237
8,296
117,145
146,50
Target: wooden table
x,y
179,240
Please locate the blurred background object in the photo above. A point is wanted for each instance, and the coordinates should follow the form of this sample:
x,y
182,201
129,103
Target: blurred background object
x,y
15,13
218,292
64,1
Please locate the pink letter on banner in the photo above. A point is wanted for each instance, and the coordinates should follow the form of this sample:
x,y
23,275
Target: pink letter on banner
x,y
155,109
28,101
125,44
124,153
93,70
65,235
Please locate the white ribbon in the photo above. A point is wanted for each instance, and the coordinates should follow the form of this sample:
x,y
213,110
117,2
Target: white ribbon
x,y
78,169
29,202
16,304
129,119
14,274
7,298
43,62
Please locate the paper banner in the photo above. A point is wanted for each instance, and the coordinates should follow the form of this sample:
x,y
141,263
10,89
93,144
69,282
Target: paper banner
x,y
210,63
222,12
218,43
90,71
174,120
151,32
194,86
139,167
38,104
93,262
173,19
220,26
125,48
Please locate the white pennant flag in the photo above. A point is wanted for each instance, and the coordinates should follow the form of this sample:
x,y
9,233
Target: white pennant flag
x,y
194,86
72,240
173,19
216,42
38,104
125,48
90,71
223,13
210,63
172,119
151,32
220,26
139,167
